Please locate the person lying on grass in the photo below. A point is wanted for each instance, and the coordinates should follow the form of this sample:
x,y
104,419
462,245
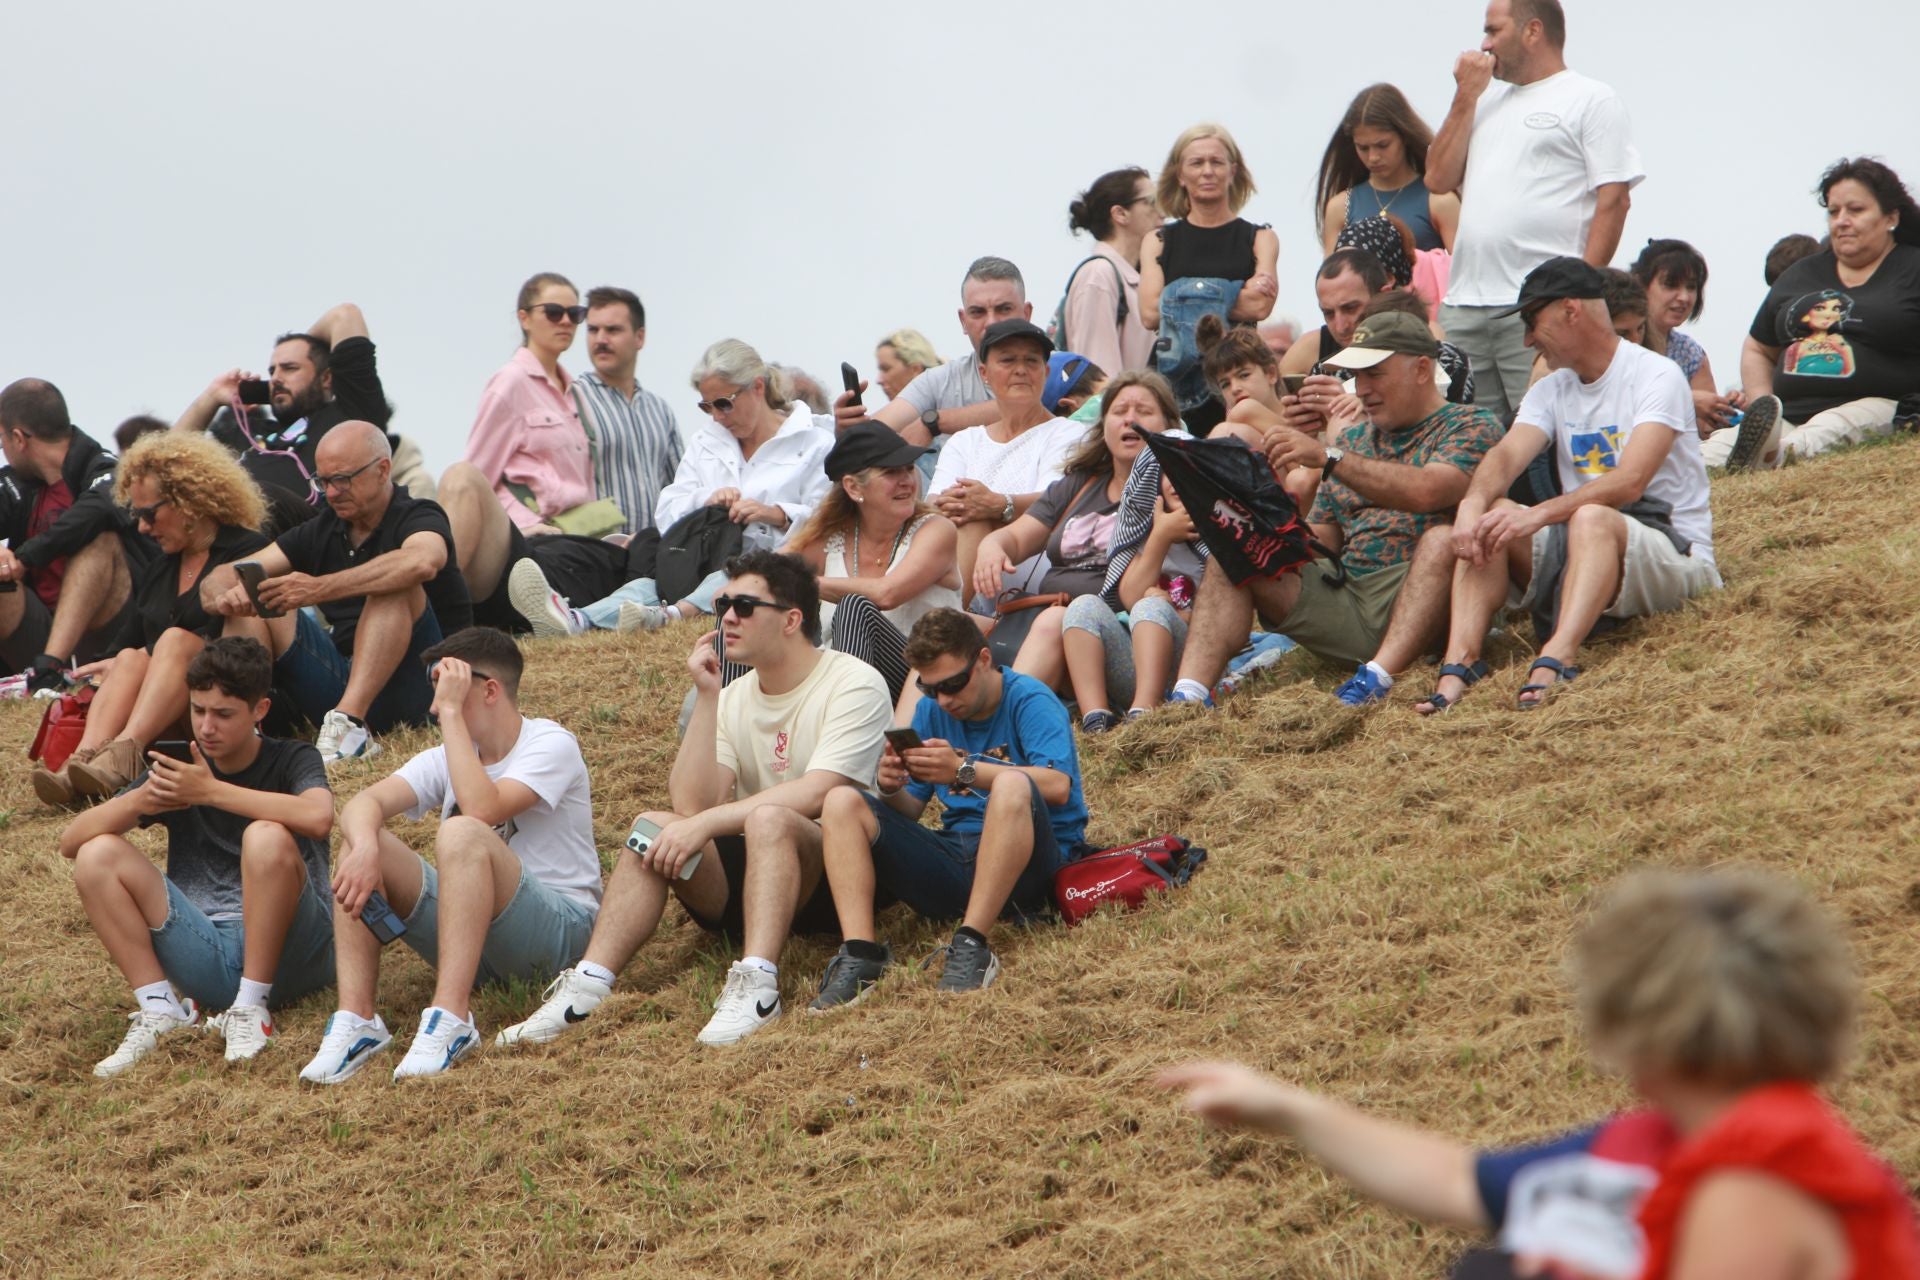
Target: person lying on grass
x,y
741,849
1725,998
997,748
241,920
515,878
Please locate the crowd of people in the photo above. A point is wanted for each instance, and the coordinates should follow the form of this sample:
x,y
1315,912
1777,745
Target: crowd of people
x,y
892,605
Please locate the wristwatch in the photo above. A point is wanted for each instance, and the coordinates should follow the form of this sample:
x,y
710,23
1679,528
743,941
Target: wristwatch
x,y
963,777
931,421
1006,512
1333,459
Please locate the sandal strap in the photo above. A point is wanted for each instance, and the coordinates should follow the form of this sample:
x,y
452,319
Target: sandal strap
x,y
1468,676
1559,668
1437,701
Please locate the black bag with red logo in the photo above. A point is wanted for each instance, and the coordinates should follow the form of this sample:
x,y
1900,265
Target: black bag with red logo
x,y
1251,525
1124,874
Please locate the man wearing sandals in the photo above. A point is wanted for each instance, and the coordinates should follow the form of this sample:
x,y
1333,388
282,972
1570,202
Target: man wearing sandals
x,y
1630,533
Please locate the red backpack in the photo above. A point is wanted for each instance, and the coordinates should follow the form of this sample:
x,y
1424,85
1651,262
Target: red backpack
x,y
1124,874
60,729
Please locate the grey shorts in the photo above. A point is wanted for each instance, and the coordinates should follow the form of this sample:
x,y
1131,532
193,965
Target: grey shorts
x,y
541,931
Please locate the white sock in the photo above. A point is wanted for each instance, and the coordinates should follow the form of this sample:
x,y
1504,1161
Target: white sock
x,y
1192,689
764,966
253,994
159,997
1385,677
598,972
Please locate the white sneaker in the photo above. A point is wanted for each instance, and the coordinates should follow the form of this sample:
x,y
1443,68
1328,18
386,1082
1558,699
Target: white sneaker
x,y
749,1001
534,599
441,1041
569,999
148,1026
341,738
247,1029
348,1045
643,617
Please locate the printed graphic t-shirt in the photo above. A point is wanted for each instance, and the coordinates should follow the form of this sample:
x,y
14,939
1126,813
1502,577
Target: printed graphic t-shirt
x,y
833,720
1840,343
1080,518
1030,727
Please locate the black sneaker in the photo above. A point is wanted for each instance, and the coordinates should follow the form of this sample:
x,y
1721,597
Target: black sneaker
x,y
1906,414
970,965
1758,434
47,672
848,979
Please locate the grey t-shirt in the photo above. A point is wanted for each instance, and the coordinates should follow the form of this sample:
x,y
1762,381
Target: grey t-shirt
x,y
953,385
203,843
1080,519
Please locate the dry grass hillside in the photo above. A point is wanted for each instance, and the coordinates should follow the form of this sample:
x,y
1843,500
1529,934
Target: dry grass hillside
x,y
1384,917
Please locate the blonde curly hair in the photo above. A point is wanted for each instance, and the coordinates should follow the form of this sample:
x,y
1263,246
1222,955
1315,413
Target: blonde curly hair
x,y
196,474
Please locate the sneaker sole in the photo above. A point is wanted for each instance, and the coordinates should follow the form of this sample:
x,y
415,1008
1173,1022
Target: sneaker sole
x,y
531,597
89,786
53,792
1753,433
721,1044
359,1064
635,617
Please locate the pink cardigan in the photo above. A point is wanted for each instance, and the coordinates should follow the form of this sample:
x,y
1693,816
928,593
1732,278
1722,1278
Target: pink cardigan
x,y
529,434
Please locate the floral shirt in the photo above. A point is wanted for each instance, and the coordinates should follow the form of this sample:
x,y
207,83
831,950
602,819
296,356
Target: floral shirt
x,y
1380,537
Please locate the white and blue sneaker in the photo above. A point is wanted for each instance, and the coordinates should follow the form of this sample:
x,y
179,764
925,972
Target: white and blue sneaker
x,y
343,738
441,1041
348,1045
1362,688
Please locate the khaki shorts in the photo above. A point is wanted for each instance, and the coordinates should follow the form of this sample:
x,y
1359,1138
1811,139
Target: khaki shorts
x,y
1342,623
1655,577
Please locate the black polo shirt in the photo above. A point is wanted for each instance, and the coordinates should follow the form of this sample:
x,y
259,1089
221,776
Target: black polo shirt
x,y
324,545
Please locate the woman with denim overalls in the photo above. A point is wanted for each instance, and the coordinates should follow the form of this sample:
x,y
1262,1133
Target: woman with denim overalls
x,y
1210,261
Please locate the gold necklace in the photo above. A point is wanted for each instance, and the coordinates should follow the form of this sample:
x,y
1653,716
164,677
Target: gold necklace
x,y
1382,210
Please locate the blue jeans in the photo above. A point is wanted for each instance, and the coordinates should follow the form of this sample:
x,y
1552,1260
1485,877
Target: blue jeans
x,y
932,871
541,931
604,613
202,957
1175,353
314,672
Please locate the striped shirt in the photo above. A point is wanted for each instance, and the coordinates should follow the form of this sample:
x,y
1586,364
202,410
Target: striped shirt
x,y
636,445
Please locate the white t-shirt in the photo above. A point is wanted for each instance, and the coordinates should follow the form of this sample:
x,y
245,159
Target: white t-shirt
x,y
1538,154
834,720
1590,424
553,837
1028,463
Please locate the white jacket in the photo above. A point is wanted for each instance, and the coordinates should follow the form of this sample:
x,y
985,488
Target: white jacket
x,y
789,471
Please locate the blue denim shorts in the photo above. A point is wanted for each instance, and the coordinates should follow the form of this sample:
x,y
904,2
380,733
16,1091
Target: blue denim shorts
x,y
541,932
202,957
932,871
314,672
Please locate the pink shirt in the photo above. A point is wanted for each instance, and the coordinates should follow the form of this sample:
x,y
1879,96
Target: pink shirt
x,y
529,434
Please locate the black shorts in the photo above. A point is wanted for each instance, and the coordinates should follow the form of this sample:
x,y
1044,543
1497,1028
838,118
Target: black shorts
x,y
581,569
815,916
29,639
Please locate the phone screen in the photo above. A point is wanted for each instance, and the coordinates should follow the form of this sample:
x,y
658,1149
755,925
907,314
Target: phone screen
x,y
903,739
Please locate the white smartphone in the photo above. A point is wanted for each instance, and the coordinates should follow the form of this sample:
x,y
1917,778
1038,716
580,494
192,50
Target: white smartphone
x,y
641,839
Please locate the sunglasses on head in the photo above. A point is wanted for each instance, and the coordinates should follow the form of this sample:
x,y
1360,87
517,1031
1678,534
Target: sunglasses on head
x,y
723,404
949,687
743,606
555,313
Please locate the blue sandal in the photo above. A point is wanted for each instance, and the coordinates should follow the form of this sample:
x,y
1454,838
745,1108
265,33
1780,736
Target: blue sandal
x,y
1468,676
1563,675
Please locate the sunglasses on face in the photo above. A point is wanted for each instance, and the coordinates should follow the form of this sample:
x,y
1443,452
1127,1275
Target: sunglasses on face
x,y
340,479
145,515
555,313
742,606
1531,317
722,404
949,687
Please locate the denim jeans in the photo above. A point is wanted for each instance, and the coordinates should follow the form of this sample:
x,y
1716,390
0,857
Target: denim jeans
x,y
604,613
1175,353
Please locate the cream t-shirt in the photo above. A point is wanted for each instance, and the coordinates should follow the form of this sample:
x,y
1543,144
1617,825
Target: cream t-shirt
x,y
833,720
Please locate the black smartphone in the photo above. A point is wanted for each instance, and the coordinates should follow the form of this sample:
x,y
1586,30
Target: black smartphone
x,y
850,379
381,920
173,749
1294,382
903,740
252,573
255,391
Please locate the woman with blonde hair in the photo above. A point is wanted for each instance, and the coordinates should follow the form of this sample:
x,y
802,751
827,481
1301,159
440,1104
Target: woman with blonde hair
x,y
189,495
1207,261
902,356
884,558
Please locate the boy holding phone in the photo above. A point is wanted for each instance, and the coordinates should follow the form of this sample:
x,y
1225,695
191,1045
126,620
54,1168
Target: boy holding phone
x,y
515,882
242,919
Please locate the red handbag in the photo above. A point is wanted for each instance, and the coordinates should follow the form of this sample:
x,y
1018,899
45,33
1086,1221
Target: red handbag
x,y
61,727
1124,874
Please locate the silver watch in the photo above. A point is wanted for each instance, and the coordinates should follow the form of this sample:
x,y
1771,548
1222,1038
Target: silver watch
x,y
964,775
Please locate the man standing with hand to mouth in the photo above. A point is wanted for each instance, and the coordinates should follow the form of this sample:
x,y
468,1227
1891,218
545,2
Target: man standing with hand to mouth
x,y
636,439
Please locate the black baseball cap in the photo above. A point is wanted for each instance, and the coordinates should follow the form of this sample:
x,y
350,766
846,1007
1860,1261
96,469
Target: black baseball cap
x,y
1558,278
869,444
1000,330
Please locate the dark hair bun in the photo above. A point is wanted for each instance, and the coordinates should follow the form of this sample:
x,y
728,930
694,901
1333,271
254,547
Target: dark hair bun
x,y
1208,332
1077,215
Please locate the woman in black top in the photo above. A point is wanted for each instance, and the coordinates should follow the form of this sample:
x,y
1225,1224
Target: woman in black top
x,y
191,497
1208,261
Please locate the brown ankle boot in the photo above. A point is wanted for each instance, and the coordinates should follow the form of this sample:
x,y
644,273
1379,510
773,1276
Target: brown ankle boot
x,y
112,767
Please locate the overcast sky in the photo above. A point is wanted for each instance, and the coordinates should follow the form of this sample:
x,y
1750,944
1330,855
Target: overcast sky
x,y
185,181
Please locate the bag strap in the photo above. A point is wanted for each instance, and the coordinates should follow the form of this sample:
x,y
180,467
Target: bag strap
x,y
1189,862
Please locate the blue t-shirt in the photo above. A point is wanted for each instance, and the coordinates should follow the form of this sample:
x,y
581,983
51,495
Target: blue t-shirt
x,y
1029,727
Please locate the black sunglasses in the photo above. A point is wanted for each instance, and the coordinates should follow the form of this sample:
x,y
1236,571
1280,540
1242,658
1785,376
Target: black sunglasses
x,y
743,606
147,514
952,685
555,313
724,404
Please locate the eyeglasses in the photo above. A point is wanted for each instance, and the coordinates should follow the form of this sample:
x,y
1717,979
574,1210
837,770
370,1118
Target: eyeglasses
x,y
724,404
555,313
952,685
743,606
340,480
145,515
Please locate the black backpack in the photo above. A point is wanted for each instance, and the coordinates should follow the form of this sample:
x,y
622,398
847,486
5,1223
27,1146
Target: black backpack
x,y
699,543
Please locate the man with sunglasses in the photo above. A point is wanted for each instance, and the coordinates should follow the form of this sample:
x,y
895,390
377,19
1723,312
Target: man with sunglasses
x,y
62,537
515,879
997,748
379,565
741,849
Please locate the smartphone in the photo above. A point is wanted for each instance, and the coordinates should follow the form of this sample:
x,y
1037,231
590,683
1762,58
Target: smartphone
x,y
641,839
1294,382
173,749
252,573
381,920
850,379
903,740
255,391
